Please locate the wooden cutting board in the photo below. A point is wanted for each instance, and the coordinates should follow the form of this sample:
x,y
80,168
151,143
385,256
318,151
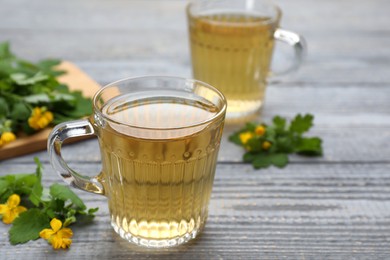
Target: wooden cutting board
x,y
76,79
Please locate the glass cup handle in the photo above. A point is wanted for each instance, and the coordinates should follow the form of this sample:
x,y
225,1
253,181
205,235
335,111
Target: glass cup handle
x,y
297,42
60,133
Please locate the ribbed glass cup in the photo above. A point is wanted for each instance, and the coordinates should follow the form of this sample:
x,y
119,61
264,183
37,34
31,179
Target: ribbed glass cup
x,y
159,139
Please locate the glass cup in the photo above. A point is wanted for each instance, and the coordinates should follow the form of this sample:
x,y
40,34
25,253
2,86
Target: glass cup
x,y
232,42
159,139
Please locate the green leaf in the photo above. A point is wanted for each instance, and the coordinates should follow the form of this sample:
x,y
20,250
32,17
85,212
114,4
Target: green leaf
x,y
23,79
24,183
16,183
249,157
262,161
64,193
36,193
279,160
83,107
69,220
4,108
92,211
5,52
309,146
265,160
47,67
48,63
251,126
20,111
301,124
279,122
254,144
86,217
3,187
37,98
284,144
235,138
27,226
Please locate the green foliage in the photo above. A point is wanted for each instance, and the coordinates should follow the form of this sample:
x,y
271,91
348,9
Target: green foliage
x,y
27,226
44,204
25,85
63,193
283,138
36,191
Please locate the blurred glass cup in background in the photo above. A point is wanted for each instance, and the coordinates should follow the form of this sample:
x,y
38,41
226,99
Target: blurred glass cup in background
x,y
232,42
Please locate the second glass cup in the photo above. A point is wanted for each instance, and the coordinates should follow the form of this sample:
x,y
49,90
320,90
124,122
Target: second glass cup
x,y
232,42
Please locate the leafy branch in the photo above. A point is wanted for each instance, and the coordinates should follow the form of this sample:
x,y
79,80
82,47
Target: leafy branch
x,y
268,145
41,205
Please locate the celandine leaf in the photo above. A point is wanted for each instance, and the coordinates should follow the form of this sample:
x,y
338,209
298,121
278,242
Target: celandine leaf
x,y
249,157
261,161
279,160
309,146
301,124
64,193
27,226
36,193
279,122
282,138
235,138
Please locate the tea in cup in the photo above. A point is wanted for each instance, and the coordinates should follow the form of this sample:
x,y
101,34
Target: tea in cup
x,y
159,139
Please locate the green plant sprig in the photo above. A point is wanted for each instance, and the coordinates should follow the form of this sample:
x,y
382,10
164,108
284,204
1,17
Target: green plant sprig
x,y
25,85
268,145
42,205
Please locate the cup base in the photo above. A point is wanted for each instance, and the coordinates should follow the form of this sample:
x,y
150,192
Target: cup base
x,y
153,243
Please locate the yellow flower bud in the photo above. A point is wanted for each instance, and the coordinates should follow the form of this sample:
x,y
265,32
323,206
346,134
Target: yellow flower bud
x,y
260,130
266,145
8,137
40,118
244,137
49,116
36,111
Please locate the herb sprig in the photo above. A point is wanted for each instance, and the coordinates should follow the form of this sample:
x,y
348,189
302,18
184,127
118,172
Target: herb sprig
x,y
38,207
32,98
268,145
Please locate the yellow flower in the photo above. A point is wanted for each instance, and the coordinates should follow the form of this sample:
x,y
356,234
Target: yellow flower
x,y
244,137
57,236
266,145
260,130
40,118
11,209
6,138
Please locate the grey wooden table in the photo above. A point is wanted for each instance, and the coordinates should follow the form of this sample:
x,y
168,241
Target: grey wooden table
x,y
334,207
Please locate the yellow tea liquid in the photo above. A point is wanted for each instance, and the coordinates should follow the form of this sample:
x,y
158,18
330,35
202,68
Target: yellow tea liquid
x,y
232,52
159,181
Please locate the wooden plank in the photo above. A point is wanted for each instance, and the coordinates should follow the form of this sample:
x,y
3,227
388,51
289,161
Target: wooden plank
x,y
124,14
340,210
338,52
336,70
76,80
341,144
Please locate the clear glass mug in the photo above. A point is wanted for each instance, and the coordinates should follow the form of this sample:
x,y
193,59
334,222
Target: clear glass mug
x,y
159,139
232,43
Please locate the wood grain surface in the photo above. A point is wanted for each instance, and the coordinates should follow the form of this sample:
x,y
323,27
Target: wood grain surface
x,y
333,207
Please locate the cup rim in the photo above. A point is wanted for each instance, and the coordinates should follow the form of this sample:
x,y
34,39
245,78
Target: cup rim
x,y
271,20
220,114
